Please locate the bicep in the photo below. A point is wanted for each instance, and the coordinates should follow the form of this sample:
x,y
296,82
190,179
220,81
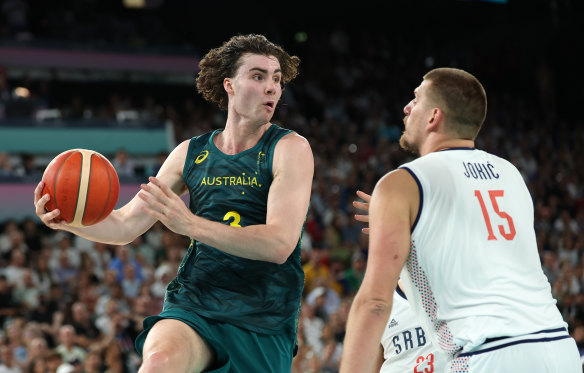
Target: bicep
x,y
389,238
289,195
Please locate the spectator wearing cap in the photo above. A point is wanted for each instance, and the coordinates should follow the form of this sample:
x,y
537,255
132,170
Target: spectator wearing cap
x,y
324,300
162,276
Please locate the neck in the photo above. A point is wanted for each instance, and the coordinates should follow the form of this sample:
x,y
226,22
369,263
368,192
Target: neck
x,y
236,138
447,144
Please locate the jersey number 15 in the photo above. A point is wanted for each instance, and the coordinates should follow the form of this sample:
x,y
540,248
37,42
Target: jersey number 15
x,y
493,194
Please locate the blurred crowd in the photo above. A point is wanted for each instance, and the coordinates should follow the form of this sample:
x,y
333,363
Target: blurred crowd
x,y
71,305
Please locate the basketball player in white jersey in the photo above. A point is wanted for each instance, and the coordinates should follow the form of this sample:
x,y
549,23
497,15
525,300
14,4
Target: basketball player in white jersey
x,y
459,221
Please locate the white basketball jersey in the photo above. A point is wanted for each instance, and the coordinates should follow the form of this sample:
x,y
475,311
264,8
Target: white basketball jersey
x,y
406,348
474,271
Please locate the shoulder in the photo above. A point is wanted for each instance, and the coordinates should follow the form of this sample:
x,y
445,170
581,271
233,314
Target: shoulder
x,y
397,181
293,139
179,153
293,145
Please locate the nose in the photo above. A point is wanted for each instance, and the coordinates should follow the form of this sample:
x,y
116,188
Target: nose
x,y
271,87
408,108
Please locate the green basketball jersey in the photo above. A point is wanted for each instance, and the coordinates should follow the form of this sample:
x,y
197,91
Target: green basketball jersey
x,y
233,189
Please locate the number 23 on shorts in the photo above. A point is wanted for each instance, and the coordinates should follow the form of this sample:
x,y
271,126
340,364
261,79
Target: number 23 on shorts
x,y
425,364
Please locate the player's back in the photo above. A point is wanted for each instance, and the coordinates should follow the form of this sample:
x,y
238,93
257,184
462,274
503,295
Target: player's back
x,y
474,267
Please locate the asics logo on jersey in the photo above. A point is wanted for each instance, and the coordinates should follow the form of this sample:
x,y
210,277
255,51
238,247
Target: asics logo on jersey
x,y
202,156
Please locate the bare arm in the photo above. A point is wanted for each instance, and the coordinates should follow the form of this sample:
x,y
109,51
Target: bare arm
x,y
379,360
128,222
288,202
393,202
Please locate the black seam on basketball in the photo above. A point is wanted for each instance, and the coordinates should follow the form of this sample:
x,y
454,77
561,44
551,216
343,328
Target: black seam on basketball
x,y
55,186
108,194
88,184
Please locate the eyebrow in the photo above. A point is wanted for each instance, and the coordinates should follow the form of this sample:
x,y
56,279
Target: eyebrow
x,y
264,71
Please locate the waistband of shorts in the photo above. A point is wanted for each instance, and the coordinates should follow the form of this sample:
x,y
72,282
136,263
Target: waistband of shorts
x,y
492,344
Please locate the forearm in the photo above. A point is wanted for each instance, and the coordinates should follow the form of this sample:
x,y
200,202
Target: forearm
x,y
367,320
258,242
119,228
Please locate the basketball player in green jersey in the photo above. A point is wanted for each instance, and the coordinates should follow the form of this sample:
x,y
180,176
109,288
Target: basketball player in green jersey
x,y
234,304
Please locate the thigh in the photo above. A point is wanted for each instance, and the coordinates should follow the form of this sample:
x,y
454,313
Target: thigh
x,y
254,352
559,356
185,349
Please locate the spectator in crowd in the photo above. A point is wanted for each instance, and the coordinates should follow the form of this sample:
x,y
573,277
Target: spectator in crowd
x,y
69,350
122,163
85,330
53,361
5,164
26,292
123,258
353,277
7,362
93,362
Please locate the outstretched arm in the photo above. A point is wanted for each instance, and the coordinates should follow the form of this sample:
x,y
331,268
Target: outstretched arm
x,y
392,206
288,202
128,222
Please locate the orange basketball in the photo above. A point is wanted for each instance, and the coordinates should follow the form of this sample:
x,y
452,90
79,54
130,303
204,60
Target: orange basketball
x,y
83,185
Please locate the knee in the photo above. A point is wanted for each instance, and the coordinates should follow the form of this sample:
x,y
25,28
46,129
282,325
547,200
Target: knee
x,y
157,361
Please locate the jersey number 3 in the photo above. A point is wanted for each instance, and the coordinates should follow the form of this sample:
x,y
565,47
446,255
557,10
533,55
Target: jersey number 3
x,y
235,216
493,194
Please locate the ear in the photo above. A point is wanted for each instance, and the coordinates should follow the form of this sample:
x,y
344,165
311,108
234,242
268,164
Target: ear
x,y
228,86
435,119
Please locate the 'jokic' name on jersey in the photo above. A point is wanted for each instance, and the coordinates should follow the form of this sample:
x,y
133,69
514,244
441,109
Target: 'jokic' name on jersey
x,y
483,171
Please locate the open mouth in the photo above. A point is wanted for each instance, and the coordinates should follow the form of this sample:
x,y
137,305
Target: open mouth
x,y
270,104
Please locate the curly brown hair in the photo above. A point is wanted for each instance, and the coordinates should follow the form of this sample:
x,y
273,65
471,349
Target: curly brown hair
x,y
222,62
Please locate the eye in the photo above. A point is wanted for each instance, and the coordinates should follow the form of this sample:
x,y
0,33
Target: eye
x,y
257,77
277,79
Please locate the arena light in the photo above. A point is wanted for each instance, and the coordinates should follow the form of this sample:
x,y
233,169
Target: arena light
x,y
134,3
21,92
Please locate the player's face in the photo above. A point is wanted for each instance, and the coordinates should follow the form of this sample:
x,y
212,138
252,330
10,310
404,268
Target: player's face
x,y
256,87
414,121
